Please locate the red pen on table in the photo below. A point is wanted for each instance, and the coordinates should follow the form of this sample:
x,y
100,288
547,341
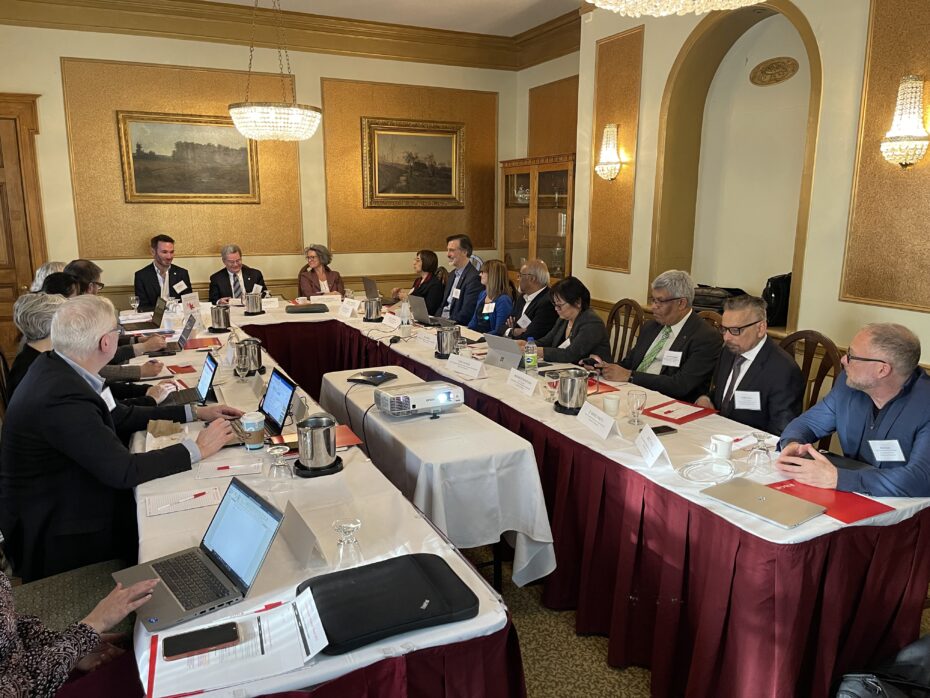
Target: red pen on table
x,y
191,498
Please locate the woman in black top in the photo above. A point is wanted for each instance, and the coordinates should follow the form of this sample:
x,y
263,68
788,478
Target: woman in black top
x,y
427,285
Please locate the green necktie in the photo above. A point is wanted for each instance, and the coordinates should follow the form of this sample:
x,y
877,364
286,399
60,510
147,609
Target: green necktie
x,y
656,348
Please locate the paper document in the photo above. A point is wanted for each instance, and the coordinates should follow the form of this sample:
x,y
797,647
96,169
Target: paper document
x,y
678,410
181,501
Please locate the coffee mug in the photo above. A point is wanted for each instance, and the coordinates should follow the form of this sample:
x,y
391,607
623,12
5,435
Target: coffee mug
x,y
253,424
612,404
721,446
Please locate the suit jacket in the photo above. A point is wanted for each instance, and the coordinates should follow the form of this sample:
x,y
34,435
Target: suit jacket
x,y
699,344
431,293
589,336
775,375
309,284
848,412
463,308
66,478
221,287
148,289
541,313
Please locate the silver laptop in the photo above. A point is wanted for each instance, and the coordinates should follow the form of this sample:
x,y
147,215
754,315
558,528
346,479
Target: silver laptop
x,y
764,502
160,305
185,335
421,314
371,288
503,352
219,572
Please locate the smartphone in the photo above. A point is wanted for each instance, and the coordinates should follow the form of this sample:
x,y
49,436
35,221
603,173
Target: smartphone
x,y
161,352
664,429
199,641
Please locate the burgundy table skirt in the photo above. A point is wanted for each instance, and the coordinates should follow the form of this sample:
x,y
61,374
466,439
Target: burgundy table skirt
x,y
711,609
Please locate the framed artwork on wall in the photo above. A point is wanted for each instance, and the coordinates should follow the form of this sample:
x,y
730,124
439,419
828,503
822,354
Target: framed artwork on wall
x,y
413,164
182,158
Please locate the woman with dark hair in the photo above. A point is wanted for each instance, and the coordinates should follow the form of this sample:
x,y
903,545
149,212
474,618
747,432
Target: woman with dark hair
x,y
579,331
426,285
317,279
61,283
495,302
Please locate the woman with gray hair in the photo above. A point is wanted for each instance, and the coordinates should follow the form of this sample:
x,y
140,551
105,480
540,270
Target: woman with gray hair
x,y
42,272
32,314
317,278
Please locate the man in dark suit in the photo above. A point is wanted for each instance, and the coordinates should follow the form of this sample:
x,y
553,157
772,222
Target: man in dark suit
x,y
533,314
161,279
675,354
756,382
236,279
879,408
464,284
66,477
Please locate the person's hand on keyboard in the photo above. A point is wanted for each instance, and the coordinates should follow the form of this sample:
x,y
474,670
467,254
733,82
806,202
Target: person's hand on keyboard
x,y
211,412
162,390
214,437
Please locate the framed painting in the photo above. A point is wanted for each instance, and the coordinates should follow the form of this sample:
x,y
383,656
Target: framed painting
x,y
180,158
413,164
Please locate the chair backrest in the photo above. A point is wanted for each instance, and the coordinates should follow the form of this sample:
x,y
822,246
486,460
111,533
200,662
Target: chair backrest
x,y
623,323
714,319
4,384
813,344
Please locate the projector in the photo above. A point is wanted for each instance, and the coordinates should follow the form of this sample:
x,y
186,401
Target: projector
x,y
419,398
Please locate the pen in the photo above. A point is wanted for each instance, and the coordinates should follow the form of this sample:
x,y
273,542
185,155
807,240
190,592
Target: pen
x,y
185,499
230,467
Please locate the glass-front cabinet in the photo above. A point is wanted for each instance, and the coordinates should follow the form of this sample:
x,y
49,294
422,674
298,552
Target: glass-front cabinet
x,y
536,212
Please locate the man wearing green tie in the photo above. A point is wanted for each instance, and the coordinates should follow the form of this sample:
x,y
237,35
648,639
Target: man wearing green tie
x,y
677,351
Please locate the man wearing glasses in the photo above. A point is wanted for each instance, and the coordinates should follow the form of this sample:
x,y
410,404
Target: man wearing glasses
x,y
756,382
533,314
880,409
675,354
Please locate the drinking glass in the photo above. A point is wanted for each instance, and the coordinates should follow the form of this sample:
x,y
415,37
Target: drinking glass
x,y
280,469
346,529
134,303
550,385
636,400
760,458
243,362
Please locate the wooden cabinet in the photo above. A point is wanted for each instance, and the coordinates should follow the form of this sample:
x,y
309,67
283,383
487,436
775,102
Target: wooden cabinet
x,y
536,212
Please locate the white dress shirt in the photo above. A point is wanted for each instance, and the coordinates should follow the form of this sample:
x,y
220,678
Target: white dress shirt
x,y
527,299
655,368
750,357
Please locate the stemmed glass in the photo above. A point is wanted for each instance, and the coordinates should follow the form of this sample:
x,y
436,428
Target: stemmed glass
x,y
636,400
759,459
243,361
346,529
279,468
134,303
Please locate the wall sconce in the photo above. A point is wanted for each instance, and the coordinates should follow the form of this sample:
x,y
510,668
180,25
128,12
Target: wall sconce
x,y
608,165
906,143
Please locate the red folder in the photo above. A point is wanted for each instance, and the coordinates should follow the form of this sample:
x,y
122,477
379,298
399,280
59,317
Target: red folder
x,y
202,343
344,437
847,507
181,369
656,411
604,388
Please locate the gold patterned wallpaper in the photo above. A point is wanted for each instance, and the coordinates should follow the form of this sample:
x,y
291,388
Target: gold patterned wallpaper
x,y
110,228
887,258
353,228
618,72
553,118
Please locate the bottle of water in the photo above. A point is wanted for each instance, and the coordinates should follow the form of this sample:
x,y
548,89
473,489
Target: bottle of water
x,y
404,313
530,358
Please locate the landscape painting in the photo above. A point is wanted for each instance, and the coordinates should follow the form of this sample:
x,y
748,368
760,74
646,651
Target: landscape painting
x,y
413,163
173,158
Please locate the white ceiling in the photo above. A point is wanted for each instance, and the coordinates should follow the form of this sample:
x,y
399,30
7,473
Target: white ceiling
x,y
500,17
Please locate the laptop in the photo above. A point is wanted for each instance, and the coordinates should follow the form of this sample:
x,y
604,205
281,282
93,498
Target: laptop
x,y
503,352
371,288
199,393
217,573
421,314
160,306
274,404
763,502
185,335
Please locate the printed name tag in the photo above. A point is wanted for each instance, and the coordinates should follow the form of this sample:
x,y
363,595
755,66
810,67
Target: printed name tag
x,y
650,448
108,399
467,368
257,288
887,450
597,420
521,382
179,286
672,358
427,339
566,343
747,400
269,303
456,292
524,321
391,321
488,308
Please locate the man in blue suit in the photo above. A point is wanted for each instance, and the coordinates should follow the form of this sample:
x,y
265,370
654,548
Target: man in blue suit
x,y
880,408
464,284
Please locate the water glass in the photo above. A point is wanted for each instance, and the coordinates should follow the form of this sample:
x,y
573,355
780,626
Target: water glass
x,y
243,361
759,460
346,529
134,303
636,400
279,469
550,385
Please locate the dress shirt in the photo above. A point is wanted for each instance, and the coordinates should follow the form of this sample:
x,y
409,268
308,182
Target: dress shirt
x,y
527,299
162,281
655,368
749,357
456,276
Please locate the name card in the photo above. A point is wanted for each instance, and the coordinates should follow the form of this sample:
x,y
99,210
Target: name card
x,y
467,368
521,382
270,302
650,448
427,339
391,321
190,302
672,358
597,420
348,308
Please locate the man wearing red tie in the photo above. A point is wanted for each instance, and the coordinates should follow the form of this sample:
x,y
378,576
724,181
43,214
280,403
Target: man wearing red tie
x,y
236,279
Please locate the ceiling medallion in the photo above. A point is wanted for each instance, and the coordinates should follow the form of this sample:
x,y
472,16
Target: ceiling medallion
x,y
773,71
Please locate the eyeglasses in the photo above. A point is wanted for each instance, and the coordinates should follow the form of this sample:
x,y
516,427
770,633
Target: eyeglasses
x,y
527,276
659,301
736,331
311,257
99,285
851,357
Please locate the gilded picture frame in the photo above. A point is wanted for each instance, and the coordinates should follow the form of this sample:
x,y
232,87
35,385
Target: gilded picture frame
x,y
187,159
413,164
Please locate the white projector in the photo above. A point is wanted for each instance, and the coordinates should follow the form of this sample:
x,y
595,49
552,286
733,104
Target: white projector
x,y
419,398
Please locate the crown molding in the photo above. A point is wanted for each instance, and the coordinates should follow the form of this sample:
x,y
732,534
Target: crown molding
x,y
199,20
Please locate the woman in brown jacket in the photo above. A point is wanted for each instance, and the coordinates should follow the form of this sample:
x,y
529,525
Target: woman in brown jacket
x,y
317,278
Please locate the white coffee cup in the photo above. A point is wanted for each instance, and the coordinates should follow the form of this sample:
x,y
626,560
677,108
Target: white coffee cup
x,y
612,404
253,424
721,446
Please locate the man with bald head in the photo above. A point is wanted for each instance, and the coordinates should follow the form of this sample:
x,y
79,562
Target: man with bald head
x,y
880,409
533,314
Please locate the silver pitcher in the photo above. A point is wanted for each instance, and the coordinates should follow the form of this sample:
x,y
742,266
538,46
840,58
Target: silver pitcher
x,y
254,348
253,302
316,441
219,317
573,387
372,309
446,340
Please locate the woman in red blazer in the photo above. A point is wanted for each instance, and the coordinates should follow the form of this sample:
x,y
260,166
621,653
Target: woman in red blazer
x,y
317,278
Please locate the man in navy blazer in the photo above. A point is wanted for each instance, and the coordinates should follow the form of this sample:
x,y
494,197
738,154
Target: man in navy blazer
x,y
880,409
221,283
161,278
464,284
756,382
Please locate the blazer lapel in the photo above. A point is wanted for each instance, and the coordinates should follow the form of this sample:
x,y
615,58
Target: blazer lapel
x,y
724,366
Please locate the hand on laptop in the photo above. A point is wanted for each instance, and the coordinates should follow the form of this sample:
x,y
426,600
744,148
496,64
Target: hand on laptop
x,y
161,391
151,368
154,343
217,434
118,604
212,412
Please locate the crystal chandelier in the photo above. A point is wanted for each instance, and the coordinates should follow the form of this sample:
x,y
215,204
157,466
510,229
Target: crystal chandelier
x,y
906,143
662,8
608,164
274,121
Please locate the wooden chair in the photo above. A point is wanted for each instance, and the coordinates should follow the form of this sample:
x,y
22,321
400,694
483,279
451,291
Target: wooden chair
x,y
714,319
813,344
623,323
4,384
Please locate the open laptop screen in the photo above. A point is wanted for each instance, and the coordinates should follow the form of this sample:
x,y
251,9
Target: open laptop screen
x,y
188,329
277,398
241,534
206,378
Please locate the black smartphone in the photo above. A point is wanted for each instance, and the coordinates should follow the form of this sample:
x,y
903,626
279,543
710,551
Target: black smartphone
x,y
162,352
664,429
588,362
199,641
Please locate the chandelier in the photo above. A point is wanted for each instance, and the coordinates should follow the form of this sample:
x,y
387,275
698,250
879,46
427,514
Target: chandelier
x,y
275,121
662,8
608,165
906,143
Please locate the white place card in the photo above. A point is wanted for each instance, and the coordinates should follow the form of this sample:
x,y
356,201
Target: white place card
x,y
467,368
190,302
270,302
597,420
650,448
391,321
348,308
521,382
426,338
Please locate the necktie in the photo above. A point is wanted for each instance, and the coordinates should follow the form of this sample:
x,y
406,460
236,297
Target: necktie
x,y
237,287
656,348
727,406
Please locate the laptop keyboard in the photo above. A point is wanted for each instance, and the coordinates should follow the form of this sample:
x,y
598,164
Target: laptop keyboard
x,y
182,397
190,580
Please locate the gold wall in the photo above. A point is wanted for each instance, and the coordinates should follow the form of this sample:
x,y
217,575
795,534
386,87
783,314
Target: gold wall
x,y
552,127
887,247
110,228
353,228
618,72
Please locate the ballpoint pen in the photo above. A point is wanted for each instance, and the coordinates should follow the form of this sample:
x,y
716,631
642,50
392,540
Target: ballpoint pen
x,y
191,498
